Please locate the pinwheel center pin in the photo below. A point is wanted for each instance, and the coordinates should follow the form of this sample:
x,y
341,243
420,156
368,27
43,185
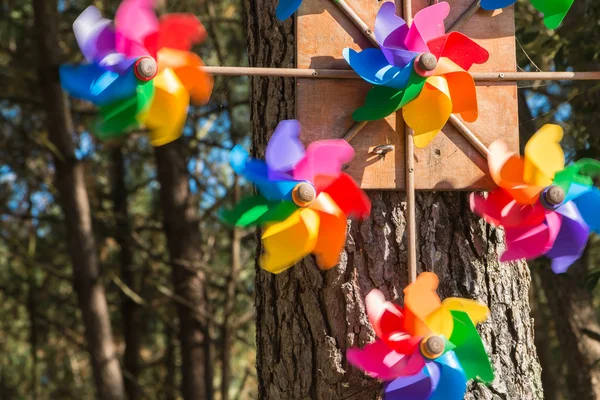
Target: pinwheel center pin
x,y
552,197
433,346
145,68
425,64
304,194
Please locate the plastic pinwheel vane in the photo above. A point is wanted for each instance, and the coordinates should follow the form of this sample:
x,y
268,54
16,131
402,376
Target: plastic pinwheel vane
x,y
286,8
140,70
419,69
554,10
427,351
304,198
545,208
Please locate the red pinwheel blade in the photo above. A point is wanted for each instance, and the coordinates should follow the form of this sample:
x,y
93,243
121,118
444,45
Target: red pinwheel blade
x,y
349,197
459,48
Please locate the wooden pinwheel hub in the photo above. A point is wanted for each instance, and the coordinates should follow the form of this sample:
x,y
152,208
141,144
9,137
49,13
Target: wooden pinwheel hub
x,y
553,196
304,194
425,64
145,68
432,346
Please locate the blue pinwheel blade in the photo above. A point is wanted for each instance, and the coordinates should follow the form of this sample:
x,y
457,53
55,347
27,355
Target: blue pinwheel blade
x,y
571,240
588,204
453,381
92,83
286,8
374,68
415,387
496,4
257,172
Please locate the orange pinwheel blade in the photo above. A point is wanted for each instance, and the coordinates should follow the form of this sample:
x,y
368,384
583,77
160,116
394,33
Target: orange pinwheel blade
x,y
168,111
429,112
543,156
463,95
332,231
288,242
420,300
187,66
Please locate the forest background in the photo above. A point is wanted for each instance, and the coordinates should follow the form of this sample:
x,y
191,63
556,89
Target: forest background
x,y
166,291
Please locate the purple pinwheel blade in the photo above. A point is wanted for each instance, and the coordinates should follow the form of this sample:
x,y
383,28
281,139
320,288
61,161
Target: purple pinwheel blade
x,y
390,32
372,66
92,83
416,387
257,172
453,381
571,240
285,150
94,34
587,205
496,4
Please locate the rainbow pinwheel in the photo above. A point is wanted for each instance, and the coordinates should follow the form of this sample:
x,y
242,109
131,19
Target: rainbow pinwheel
x,y
554,10
427,351
140,70
419,69
545,208
286,8
304,198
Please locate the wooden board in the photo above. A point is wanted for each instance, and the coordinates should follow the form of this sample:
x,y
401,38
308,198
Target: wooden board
x,y
325,106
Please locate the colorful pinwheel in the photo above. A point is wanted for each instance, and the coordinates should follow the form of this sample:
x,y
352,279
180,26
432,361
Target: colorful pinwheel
x,y
123,76
427,351
286,8
419,69
554,10
545,208
304,198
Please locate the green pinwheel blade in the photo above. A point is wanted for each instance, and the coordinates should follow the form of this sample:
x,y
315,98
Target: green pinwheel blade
x,y
257,210
469,349
382,101
119,117
581,172
554,11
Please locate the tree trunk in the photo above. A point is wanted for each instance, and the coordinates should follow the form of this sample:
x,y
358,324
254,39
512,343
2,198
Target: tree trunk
x,y
130,311
75,205
183,239
306,319
577,329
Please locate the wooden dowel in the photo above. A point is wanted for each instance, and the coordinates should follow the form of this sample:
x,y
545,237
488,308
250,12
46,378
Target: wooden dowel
x,y
355,18
465,16
469,135
357,127
350,74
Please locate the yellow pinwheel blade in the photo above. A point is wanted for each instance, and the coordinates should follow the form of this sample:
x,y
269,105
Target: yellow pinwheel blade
x,y
332,231
289,241
429,112
543,156
168,111
441,322
187,66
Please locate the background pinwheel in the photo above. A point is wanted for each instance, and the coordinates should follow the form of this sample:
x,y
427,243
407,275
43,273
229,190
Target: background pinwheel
x,y
304,198
419,69
286,8
428,350
141,70
544,208
554,10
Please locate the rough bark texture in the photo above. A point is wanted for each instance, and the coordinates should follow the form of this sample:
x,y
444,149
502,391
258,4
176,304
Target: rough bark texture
x,y
183,235
130,311
572,309
75,204
306,319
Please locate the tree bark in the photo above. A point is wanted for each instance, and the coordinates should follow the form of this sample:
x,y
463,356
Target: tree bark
x,y
306,319
130,311
183,239
75,205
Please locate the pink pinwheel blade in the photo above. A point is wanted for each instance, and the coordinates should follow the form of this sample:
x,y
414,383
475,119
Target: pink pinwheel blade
x,y
532,242
379,361
323,162
427,25
285,149
571,240
135,20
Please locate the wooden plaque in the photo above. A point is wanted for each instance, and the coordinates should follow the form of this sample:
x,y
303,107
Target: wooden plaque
x,y
325,106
